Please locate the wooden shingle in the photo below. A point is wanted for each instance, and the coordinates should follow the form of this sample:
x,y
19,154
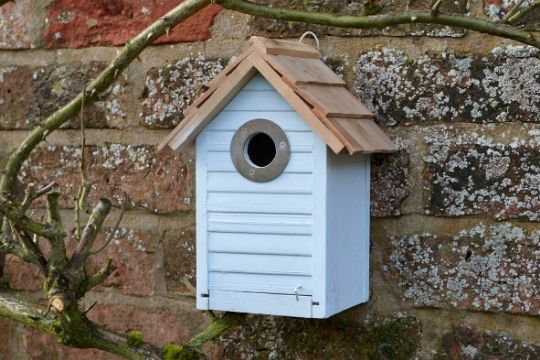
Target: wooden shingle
x,y
311,88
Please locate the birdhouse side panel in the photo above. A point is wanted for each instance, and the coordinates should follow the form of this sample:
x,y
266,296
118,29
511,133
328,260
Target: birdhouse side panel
x,y
258,235
348,228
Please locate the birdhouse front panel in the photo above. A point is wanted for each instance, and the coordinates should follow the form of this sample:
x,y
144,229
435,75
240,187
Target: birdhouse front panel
x,y
254,233
282,177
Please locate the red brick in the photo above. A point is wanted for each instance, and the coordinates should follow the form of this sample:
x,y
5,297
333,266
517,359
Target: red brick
x,y
389,186
42,346
15,18
169,90
159,182
496,180
8,340
133,255
483,268
179,256
502,86
83,23
22,275
29,94
159,325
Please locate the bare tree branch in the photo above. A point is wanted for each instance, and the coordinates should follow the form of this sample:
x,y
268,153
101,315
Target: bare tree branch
x,y
21,221
33,253
96,279
382,21
31,194
88,236
129,52
81,333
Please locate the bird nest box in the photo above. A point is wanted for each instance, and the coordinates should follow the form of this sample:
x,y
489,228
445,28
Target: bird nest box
x,y
282,184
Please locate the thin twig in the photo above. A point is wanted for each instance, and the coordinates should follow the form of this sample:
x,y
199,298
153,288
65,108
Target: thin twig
x,y
513,10
111,234
81,201
31,194
521,13
435,8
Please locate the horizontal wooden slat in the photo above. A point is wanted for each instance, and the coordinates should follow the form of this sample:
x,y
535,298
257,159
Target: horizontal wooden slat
x,y
294,148
260,243
260,264
296,138
260,303
232,120
221,161
260,203
272,284
268,100
285,183
260,223
258,83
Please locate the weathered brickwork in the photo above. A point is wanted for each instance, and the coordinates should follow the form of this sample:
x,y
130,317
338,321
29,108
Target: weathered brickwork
x,y
179,260
455,246
30,94
488,268
497,87
271,28
88,23
465,342
14,18
171,89
394,337
134,255
493,179
158,182
389,183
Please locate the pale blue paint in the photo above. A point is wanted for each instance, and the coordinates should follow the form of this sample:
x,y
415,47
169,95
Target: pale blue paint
x,y
297,245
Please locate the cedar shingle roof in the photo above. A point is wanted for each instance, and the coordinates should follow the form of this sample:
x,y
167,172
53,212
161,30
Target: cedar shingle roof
x,y
309,86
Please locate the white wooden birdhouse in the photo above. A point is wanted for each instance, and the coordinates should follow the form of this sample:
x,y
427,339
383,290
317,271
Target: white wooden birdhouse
x,y
282,178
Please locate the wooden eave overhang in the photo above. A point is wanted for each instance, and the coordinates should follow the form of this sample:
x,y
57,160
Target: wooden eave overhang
x,y
310,87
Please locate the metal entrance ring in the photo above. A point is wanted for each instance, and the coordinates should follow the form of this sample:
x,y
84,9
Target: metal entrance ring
x,y
260,150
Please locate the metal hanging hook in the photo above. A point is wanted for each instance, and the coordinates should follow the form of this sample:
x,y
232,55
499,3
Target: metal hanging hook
x,y
312,35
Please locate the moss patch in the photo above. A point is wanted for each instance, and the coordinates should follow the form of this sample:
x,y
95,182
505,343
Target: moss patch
x,y
135,339
175,352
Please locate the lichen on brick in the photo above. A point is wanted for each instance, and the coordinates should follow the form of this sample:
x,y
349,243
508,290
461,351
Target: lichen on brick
x,y
499,87
488,268
473,175
393,336
171,89
160,183
390,186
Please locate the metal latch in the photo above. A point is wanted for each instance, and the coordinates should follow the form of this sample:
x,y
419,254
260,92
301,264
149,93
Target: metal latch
x,y
296,290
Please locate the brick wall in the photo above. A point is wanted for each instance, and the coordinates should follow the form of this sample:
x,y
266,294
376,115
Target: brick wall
x,y
455,236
